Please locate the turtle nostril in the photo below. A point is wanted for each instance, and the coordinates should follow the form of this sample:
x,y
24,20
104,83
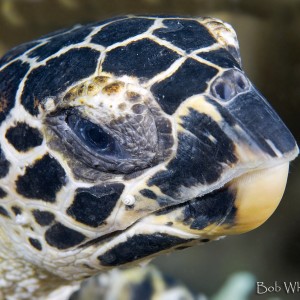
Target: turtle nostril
x,y
224,90
229,84
241,83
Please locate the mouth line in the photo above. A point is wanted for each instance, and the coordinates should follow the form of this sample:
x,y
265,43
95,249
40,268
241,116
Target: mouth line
x,y
105,237
247,180
249,169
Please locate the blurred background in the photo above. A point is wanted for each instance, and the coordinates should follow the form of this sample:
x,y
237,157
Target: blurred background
x,y
269,36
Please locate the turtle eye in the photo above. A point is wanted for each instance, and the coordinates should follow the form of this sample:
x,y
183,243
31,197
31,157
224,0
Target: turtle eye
x,y
231,83
93,136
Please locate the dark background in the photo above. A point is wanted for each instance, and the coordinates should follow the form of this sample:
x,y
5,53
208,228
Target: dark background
x,y
269,36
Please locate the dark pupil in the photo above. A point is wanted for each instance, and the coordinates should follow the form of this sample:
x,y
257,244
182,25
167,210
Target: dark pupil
x,y
93,135
98,137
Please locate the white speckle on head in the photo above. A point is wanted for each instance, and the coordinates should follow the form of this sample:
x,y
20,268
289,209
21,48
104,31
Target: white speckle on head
x,y
128,200
49,105
212,138
22,220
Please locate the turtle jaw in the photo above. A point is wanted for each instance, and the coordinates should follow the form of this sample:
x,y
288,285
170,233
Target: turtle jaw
x,y
257,195
241,205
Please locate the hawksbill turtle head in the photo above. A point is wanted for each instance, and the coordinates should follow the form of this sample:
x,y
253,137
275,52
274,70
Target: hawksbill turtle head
x,y
132,137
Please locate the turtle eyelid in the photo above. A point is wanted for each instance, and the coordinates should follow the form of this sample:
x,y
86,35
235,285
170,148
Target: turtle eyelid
x,y
94,137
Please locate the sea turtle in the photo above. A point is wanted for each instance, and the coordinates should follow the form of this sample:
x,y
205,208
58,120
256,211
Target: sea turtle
x,y
125,139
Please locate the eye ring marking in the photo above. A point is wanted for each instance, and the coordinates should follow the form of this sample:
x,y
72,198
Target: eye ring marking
x,y
229,84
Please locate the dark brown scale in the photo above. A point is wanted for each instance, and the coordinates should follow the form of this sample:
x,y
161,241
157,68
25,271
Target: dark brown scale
x,y
100,79
122,106
17,210
138,108
43,218
91,87
133,96
81,90
23,137
3,194
143,245
35,243
163,125
4,212
42,180
10,78
148,193
62,237
113,88
92,206
4,164
71,95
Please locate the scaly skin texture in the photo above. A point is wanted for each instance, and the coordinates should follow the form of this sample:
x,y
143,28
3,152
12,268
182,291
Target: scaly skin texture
x,y
126,139
22,280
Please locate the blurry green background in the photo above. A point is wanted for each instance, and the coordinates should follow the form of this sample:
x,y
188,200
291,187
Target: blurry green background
x,y
269,36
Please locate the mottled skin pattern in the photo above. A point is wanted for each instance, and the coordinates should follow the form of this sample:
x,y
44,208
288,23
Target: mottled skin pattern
x,y
124,139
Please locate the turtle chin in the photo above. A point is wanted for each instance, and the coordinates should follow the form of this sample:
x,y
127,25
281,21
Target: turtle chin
x,y
257,195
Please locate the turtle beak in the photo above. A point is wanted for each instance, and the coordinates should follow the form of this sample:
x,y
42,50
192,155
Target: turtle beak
x,y
263,146
259,191
230,170
262,136
266,131
257,195
250,200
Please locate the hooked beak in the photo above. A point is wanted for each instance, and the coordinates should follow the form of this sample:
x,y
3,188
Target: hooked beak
x,y
263,126
258,191
244,182
263,147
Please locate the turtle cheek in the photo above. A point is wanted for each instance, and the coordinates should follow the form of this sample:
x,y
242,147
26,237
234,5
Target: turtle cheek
x,y
258,194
